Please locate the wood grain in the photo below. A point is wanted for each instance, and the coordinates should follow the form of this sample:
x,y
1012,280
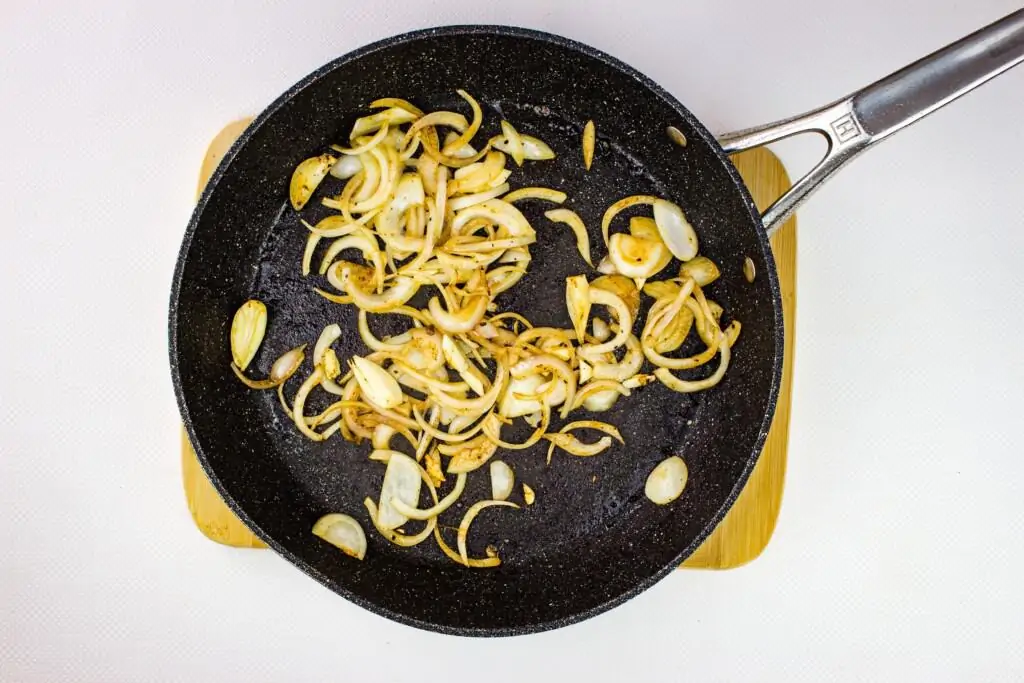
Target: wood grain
x,y
748,527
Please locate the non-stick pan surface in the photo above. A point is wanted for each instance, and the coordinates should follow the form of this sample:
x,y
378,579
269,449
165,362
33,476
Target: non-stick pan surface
x,y
592,539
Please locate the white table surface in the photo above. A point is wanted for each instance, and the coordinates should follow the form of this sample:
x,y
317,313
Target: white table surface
x,y
900,548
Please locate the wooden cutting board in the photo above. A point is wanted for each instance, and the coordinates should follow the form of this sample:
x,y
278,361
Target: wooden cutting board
x,y
748,527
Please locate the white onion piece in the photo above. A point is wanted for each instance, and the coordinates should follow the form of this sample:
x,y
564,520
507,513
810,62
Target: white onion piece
x,y
401,482
463,152
543,193
502,480
469,455
666,481
666,377
471,514
467,200
578,228
701,270
365,146
535,149
606,267
346,167
677,233
343,532
377,385
413,512
514,142
395,116
577,300
307,255
635,257
623,319
601,330
461,320
330,334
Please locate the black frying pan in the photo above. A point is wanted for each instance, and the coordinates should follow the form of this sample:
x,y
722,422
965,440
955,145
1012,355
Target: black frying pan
x,y
592,540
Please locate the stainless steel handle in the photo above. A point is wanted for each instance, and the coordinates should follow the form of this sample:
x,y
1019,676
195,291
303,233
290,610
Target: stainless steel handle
x,y
852,124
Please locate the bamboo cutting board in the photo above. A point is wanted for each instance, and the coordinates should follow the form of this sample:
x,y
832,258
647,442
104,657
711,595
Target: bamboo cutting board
x,y
744,532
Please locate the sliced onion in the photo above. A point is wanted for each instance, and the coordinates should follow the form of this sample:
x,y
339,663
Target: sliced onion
x,y
677,233
666,377
701,270
490,561
343,532
452,436
471,514
514,142
467,136
364,147
543,193
299,403
624,288
666,481
635,257
575,223
395,102
402,289
570,444
644,227
464,201
618,207
463,152
623,319
402,482
282,369
461,320
307,255
397,537
469,455
492,430
393,116
346,167
577,300
589,138
502,480
415,513
366,244
535,149
555,364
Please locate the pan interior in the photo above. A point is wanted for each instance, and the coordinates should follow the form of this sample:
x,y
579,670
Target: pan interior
x,y
592,538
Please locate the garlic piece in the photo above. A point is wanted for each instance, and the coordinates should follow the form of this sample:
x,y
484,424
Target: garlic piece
x,y
666,482
528,495
307,177
502,480
677,233
247,330
589,138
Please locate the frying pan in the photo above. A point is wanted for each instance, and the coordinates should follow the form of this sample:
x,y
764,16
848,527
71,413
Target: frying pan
x,y
592,540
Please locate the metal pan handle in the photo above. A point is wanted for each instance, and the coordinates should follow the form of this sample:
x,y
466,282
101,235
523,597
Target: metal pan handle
x,y
854,123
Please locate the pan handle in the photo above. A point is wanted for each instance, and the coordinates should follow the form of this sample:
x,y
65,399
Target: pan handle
x,y
852,124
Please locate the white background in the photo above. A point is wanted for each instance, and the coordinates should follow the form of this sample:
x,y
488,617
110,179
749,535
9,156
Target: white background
x,y
900,547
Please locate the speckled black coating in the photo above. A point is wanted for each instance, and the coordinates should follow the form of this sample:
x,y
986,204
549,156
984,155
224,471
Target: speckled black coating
x,y
592,540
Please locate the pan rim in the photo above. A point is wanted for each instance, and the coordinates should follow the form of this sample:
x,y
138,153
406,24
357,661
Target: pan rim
x,y
505,31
